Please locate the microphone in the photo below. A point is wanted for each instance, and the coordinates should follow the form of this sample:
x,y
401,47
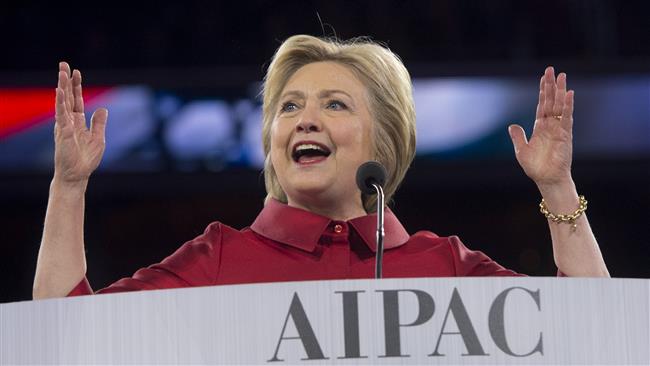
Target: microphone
x,y
371,176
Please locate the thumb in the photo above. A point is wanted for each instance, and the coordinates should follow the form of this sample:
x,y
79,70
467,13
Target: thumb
x,y
518,137
98,123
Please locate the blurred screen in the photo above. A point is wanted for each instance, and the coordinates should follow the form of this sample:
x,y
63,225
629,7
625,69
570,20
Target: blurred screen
x,y
457,118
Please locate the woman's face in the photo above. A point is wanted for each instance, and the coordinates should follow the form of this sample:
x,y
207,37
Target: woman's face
x,y
320,135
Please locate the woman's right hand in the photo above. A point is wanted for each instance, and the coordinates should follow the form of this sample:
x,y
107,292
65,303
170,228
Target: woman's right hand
x,y
78,149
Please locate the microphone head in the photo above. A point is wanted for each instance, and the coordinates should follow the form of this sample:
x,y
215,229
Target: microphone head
x,y
368,173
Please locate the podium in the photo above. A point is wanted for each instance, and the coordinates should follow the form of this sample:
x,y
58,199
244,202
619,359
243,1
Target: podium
x,y
450,321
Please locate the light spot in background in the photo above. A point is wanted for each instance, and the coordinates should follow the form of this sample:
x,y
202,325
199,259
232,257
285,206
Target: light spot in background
x,y
452,113
252,135
130,121
201,130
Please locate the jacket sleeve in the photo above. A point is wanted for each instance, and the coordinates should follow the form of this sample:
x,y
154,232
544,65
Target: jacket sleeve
x,y
195,263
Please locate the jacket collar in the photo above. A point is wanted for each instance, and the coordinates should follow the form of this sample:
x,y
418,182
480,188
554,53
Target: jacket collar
x,y
303,229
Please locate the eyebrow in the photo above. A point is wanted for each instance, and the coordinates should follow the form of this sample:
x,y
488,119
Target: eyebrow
x,y
327,93
322,94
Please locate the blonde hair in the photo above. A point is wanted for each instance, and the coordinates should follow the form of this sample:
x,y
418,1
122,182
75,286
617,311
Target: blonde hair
x,y
390,101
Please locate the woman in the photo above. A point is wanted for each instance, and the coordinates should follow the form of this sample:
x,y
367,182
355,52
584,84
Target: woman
x,y
329,106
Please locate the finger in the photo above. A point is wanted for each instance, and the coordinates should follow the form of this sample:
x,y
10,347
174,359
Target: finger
x,y
59,108
67,85
518,137
65,67
59,80
98,124
76,87
69,95
567,112
62,84
560,94
549,90
539,113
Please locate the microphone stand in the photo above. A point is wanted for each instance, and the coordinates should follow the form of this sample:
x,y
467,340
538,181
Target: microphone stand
x,y
380,230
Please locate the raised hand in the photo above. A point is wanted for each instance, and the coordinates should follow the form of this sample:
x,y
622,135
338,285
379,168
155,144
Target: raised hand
x,y
546,157
78,149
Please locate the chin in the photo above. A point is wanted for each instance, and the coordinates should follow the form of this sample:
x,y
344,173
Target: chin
x,y
311,188
311,184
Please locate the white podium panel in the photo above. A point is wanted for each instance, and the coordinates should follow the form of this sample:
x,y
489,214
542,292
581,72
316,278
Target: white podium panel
x,y
452,321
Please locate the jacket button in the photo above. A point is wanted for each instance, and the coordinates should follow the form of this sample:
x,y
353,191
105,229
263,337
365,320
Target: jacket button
x,y
338,228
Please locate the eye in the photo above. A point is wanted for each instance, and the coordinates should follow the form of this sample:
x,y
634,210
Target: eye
x,y
288,107
336,105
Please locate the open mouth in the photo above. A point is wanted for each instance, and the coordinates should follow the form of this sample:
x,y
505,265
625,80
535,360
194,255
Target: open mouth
x,y
309,152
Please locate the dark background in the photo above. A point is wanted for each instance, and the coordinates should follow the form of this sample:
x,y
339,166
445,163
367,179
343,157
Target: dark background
x,y
135,219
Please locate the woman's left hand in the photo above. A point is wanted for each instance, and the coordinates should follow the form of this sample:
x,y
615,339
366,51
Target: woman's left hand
x,y
546,158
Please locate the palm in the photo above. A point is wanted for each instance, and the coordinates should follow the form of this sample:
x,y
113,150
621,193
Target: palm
x,y
546,158
78,149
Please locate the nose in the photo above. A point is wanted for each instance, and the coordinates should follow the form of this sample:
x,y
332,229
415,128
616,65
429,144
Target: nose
x,y
309,121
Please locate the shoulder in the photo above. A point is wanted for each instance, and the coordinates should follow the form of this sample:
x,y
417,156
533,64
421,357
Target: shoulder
x,y
425,254
427,240
465,261
218,235
449,247
215,233
208,243
201,257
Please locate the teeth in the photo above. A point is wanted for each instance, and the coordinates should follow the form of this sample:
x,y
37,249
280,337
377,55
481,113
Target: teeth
x,y
309,147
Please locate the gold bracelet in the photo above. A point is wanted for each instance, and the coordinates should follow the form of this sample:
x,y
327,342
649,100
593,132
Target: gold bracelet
x,y
571,219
